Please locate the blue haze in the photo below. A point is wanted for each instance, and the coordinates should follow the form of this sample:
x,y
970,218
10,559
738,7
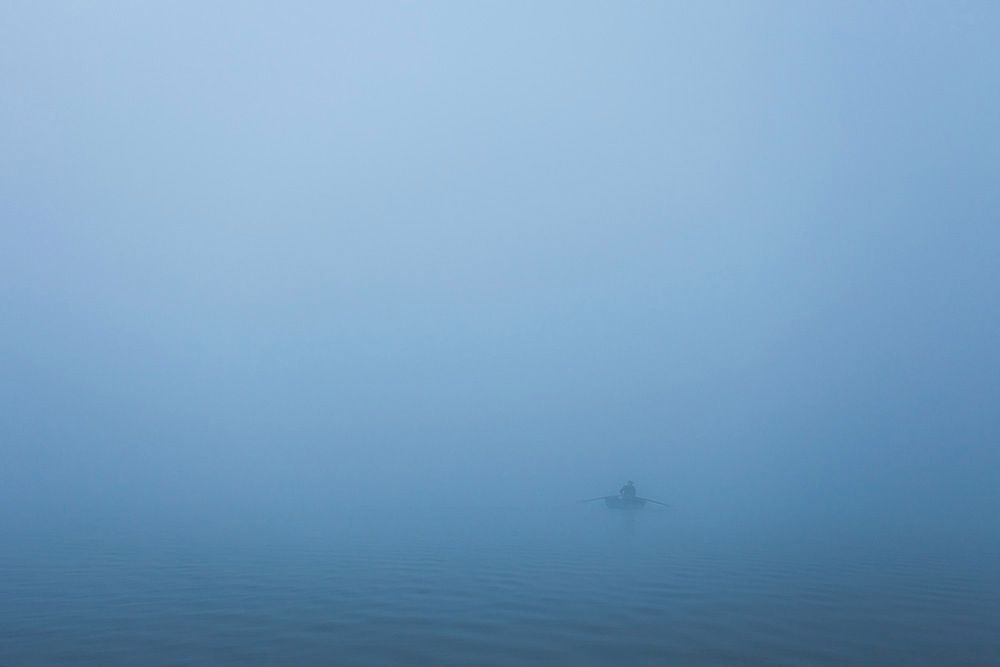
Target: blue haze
x,y
268,268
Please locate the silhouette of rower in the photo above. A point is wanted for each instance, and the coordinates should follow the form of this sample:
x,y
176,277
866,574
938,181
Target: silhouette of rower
x,y
628,491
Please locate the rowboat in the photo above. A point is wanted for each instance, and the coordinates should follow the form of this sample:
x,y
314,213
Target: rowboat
x,y
624,502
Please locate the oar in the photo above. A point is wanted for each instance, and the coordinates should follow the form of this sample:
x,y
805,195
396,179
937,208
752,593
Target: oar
x,y
590,500
650,500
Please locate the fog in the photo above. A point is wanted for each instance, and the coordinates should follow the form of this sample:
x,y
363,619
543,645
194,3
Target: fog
x,y
297,258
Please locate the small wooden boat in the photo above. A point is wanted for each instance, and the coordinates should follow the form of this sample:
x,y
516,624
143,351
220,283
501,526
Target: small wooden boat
x,y
624,502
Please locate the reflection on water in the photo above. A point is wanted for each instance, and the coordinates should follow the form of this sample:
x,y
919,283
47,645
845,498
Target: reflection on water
x,y
573,585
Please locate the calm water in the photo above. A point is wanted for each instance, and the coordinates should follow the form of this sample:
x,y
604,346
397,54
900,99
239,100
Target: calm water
x,y
576,585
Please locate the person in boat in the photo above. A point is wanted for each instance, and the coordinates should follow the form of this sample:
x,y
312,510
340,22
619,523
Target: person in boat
x,y
628,491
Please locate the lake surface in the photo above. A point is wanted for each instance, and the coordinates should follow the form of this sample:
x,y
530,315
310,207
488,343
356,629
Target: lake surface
x,y
576,585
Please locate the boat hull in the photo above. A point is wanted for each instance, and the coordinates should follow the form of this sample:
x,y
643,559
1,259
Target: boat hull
x,y
620,503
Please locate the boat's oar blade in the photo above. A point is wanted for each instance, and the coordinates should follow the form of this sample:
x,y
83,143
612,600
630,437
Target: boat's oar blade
x,y
650,500
590,500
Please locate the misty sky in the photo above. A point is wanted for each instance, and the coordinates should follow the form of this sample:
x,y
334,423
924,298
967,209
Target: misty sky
x,y
255,252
